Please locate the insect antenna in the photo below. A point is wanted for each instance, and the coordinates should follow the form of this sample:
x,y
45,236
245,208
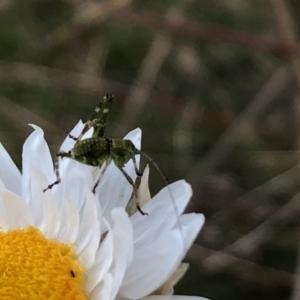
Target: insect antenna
x,y
167,182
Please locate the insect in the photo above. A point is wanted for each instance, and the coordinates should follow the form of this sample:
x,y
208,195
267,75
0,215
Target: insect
x,y
98,151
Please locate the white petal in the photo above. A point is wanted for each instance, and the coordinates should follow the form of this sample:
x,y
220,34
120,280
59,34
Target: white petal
x,y
174,297
43,207
102,290
144,191
135,136
3,222
74,179
2,186
69,225
192,224
14,211
123,248
35,153
104,258
152,263
161,210
9,173
88,238
166,250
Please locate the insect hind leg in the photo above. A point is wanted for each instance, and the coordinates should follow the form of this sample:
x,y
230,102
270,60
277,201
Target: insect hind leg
x,y
135,191
137,171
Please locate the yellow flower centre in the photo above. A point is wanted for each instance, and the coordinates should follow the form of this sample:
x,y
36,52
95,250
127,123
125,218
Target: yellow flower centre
x,y
33,267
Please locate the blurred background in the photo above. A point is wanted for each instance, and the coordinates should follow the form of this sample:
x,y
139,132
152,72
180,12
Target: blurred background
x,y
215,87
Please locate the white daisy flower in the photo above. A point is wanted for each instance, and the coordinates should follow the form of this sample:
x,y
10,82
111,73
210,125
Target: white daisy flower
x,y
68,243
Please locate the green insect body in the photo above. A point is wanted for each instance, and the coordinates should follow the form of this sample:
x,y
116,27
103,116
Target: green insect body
x,y
95,151
98,151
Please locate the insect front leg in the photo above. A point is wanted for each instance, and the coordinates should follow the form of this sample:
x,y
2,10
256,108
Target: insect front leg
x,y
58,179
86,127
102,109
56,168
99,123
73,137
135,190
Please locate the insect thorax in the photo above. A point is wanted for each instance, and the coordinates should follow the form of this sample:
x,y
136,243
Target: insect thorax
x,y
122,151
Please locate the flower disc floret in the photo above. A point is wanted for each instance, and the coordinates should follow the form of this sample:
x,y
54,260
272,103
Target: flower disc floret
x,y
34,267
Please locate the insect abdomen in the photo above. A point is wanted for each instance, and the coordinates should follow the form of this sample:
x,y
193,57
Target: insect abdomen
x,y
92,151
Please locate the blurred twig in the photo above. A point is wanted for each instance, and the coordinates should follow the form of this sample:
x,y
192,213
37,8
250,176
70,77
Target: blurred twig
x,y
87,15
244,203
45,77
284,22
201,30
189,67
240,128
158,51
96,57
296,283
262,275
182,136
248,243
21,116
286,31
87,83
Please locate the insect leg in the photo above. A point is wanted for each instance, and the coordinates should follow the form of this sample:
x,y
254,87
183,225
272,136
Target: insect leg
x,y
73,137
56,167
135,191
106,163
137,172
102,109
86,127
